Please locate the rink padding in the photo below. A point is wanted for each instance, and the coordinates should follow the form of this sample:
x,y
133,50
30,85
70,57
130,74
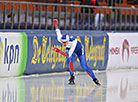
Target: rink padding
x,y
30,51
123,50
39,56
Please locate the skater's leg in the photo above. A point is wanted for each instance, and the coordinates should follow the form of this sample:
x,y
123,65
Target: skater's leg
x,y
70,66
83,63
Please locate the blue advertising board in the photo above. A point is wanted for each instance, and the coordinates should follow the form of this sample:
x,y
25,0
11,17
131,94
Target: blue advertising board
x,y
42,59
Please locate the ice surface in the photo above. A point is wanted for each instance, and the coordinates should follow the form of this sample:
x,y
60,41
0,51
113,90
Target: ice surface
x,y
117,86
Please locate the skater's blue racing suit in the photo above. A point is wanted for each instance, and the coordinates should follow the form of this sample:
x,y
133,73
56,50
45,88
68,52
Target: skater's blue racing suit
x,y
74,46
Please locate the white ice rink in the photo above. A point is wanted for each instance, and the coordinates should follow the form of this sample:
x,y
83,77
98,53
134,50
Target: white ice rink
x,y
117,86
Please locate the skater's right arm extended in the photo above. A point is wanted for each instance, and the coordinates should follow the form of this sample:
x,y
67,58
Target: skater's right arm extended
x,y
59,35
61,52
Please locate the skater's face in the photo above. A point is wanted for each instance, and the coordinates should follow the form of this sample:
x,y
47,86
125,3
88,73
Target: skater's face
x,y
65,43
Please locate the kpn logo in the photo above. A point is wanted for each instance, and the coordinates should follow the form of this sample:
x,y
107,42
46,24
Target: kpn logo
x,y
9,53
1,50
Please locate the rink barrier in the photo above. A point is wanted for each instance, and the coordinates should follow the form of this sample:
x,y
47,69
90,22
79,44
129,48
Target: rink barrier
x,y
39,56
123,50
13,53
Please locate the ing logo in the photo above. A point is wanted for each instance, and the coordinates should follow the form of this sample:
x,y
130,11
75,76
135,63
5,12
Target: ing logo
x,y
1,49
125,46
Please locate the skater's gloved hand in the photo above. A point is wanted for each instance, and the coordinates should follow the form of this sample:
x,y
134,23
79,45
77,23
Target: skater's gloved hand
x,y
55,21
96,81
56,49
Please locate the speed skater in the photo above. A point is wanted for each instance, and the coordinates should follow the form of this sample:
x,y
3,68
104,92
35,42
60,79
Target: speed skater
x,y
73,46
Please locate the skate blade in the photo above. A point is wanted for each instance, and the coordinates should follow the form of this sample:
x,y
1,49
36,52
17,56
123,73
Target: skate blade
x,y
99,84
71,83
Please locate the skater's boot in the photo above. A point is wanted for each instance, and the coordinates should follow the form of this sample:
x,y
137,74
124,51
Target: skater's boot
x,y
71,80
96,81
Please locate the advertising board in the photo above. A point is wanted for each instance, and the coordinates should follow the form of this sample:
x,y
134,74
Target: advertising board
x,y
42,59
123,50
13,53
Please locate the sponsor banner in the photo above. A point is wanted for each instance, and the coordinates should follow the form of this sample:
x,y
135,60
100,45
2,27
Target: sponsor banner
x,y
42,59
123,50
13,53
